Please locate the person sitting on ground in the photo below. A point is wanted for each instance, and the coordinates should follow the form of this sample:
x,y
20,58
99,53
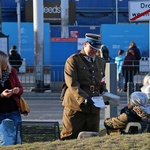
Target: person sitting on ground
x,y
133,112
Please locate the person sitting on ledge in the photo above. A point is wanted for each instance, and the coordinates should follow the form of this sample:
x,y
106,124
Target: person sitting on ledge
x,y
133,112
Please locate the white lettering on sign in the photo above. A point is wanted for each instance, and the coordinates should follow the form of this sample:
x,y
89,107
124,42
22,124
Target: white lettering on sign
x,y
54,10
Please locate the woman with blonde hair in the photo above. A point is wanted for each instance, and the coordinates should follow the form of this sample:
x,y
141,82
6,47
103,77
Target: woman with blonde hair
x,y
10,91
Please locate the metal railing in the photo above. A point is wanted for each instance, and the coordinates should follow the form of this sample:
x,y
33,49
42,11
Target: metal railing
x,y
54,74
51,74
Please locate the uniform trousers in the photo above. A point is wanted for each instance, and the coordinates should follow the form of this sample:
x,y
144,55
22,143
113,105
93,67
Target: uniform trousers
x,y
76,121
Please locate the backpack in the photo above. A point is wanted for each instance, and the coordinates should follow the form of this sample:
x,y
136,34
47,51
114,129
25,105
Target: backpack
x,y
8,133
104,52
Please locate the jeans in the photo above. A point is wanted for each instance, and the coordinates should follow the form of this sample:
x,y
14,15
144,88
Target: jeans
x,y
120,80
15,116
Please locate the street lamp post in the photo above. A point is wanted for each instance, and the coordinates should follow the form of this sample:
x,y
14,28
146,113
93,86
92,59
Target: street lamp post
x,y
116,11
64,18
0,16
38,44
18,20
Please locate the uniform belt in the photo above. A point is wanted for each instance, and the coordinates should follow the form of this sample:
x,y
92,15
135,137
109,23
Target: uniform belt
x,y
91,87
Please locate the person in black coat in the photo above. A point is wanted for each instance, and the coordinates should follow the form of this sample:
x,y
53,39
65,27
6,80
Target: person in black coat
x,y
137,55
15,59
129,67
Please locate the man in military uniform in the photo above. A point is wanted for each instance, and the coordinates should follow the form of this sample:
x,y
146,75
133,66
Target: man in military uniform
x,y
83,74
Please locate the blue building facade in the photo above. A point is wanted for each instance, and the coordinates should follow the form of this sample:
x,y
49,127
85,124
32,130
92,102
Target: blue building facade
x,y
87,12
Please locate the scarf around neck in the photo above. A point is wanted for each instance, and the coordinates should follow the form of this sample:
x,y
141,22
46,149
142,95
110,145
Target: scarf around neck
x,y
5,75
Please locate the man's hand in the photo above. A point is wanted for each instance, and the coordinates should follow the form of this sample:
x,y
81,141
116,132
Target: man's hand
x,y
106,103
102,89
88,101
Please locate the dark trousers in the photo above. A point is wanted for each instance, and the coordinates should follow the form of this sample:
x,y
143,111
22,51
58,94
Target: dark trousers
x,y
74,122
128,75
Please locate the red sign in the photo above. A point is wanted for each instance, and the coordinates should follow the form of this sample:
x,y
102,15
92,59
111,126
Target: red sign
x,y
74,34
63,39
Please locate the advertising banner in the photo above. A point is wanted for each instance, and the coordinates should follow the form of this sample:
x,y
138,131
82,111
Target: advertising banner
x,y
52,12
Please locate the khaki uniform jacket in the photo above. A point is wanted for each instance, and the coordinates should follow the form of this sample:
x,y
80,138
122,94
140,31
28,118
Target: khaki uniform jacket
x,y
79,74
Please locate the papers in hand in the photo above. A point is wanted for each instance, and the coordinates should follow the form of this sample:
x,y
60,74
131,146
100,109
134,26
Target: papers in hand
x,y
98,101
111,95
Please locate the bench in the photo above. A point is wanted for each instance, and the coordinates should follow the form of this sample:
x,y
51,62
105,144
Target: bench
x,y
38,131
137,127
86,134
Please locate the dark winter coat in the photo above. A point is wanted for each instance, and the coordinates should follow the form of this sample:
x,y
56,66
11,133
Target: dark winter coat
x,y
137,53
15,59
129,62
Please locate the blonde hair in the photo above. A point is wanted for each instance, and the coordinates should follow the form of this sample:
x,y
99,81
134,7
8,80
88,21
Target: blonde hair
x,y
146,79
4,62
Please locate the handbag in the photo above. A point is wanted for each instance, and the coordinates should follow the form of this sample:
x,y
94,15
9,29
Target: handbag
x,y
24,108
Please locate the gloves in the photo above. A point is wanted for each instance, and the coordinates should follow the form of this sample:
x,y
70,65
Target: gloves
x,y
88,101
106,103
102,89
